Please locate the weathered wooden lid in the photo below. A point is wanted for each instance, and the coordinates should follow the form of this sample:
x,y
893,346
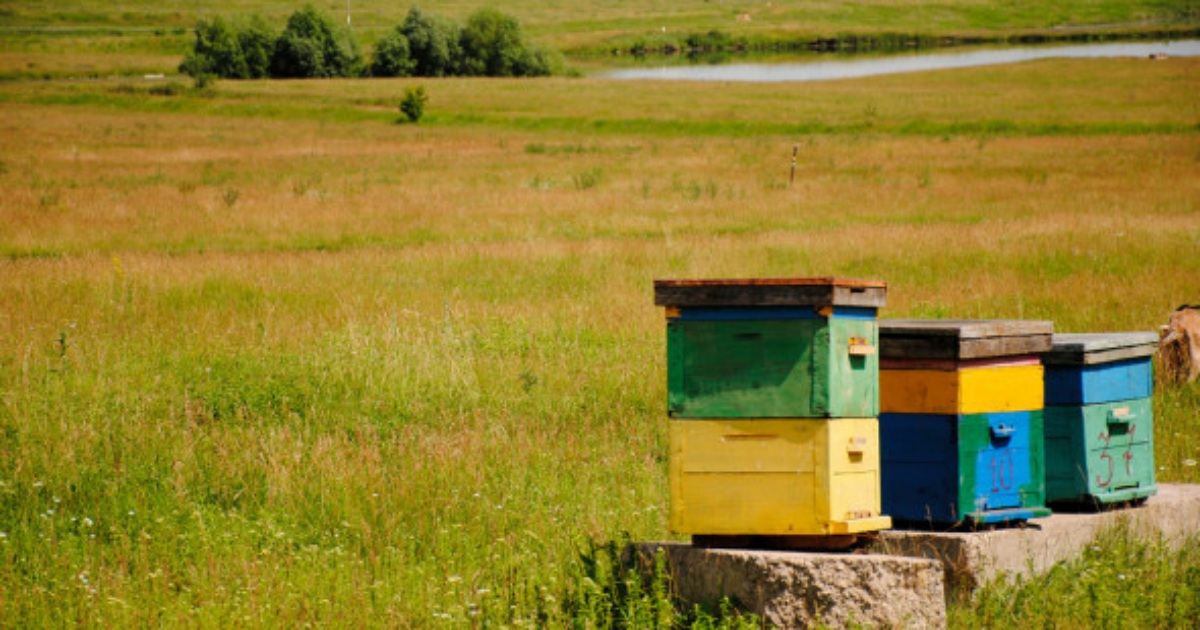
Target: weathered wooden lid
x,y
1095,348
771,292
962,339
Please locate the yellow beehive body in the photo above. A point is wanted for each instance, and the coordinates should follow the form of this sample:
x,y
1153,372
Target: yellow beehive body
x,y
775,477
961,392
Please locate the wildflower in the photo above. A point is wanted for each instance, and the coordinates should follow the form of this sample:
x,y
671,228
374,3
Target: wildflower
x,y
1189,462
454,578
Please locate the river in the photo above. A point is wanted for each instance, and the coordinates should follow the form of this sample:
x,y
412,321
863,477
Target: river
x,y
848,68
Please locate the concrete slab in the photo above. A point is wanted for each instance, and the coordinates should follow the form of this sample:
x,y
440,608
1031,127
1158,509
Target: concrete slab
x,y
971,559
801,589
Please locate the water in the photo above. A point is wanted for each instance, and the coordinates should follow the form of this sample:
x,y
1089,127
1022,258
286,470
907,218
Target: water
x,y
853,68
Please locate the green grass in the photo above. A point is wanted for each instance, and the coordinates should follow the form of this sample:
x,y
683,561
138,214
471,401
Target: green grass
x,y
1122,580
89,38
268,358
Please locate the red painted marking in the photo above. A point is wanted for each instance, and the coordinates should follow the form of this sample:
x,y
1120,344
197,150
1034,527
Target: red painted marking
x,y
1129,451
998,480
1103,483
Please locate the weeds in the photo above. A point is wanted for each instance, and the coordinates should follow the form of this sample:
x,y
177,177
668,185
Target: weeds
x,y
1122,580
587,179
230,196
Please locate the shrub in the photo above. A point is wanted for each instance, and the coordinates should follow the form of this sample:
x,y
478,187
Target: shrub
x,y
433,43
393,57
492,45
312,47
173,88
216,51
230,51
413,104
257,40
710,41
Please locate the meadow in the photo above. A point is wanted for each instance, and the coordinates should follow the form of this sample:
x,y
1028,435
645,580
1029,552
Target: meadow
x,y
270,357
81,38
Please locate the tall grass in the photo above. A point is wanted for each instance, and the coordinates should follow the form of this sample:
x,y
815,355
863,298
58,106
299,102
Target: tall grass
x,y
93,38
395,384
1122,580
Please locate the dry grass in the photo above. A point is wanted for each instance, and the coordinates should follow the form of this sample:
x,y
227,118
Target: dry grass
x,y
297,363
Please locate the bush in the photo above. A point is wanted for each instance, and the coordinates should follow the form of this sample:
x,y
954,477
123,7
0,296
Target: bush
x,y
433,43
312,47
413,104
230,51
257,40
393,57
216,51
493,46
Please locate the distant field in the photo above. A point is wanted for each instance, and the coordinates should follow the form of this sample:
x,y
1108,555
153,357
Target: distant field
x,y
269,358
131,37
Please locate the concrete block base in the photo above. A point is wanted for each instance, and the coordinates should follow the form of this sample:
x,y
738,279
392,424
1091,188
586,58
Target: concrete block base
x,y
972,559
797,589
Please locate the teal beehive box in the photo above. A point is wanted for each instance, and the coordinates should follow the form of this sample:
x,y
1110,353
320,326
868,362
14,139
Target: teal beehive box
x,y
1099,419
772,348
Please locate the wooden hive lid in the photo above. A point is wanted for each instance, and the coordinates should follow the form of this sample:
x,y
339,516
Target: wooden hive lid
x,y
1097,348
962,339
771,292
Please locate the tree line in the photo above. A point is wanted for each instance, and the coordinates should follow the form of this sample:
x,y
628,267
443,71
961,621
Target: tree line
x,y
313,46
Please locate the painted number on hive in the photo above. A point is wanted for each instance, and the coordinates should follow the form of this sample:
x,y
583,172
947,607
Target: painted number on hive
x,y
1003,470
1102,481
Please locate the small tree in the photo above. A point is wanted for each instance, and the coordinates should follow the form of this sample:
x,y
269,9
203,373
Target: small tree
x,y
392,56
491,43
312,47
493,46
413,104
257,40
216,51
433,43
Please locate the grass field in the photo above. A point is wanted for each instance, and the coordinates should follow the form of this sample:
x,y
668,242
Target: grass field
x,y
269,358
82,38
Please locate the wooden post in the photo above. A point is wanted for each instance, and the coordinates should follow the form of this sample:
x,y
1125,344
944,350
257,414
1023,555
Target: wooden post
x,y
795,152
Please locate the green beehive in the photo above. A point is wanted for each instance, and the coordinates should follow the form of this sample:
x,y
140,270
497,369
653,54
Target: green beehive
x,y
1100,418
795,348
1101,453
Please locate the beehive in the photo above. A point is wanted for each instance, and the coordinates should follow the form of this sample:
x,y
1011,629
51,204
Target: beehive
x,y
773,392
804,348
775,477
1099,418
961,420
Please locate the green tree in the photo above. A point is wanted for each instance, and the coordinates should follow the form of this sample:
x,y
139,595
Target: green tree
x,y
216,51
413,104
493,46
433,43
312,47
257,41
393,57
